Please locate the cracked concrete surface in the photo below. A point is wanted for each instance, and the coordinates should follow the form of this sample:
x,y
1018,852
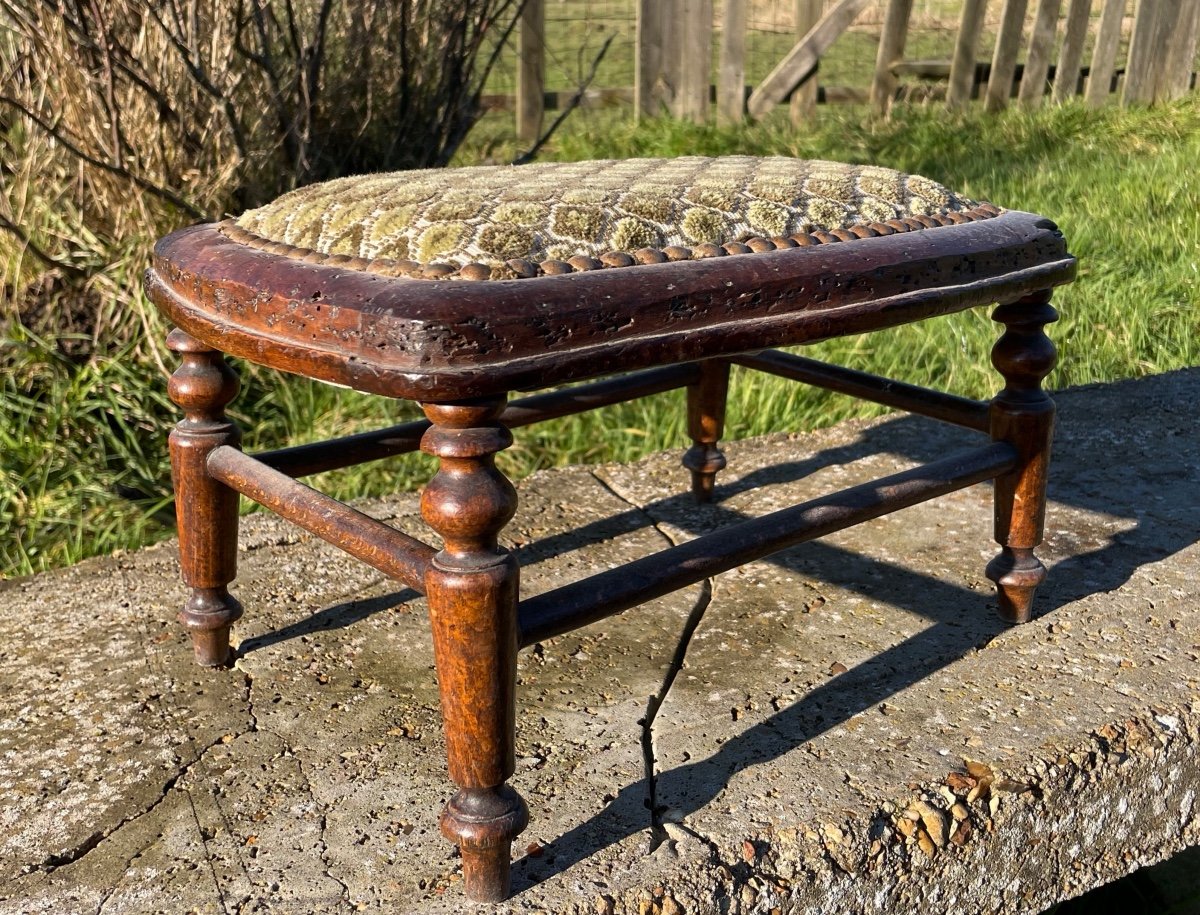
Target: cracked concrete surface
x,y
841,727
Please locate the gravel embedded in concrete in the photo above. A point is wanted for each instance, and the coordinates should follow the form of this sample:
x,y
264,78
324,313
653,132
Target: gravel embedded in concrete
x,y
850,728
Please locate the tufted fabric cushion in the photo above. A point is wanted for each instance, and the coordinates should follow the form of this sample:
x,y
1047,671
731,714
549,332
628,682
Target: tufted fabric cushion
x,y
501,222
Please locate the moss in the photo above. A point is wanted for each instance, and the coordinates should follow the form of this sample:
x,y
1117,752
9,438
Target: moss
x,y
348,242
882,183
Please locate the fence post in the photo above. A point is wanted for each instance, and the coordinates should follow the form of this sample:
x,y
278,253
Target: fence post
x,y
1146,48
891,51
804,97
531,71
1104,56
1066,74
962,68
731,76
1041,46
1004,58
1176,76
695,58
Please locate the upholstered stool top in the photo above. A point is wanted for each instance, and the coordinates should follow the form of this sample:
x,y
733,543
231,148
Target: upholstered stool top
x,y
556,272
505,222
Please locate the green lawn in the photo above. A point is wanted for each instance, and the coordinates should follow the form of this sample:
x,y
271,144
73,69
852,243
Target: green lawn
x,y
76,441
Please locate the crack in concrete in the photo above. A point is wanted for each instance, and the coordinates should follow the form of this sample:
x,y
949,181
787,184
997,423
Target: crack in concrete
x,y
658,831
655,703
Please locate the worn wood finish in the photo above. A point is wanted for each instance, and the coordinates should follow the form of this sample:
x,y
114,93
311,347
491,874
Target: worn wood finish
x,y
472,586
531,70
1041,48
609,593
1104,54
891,52
392,552
206,510
731,69
706,399
1004,57
961,411
1070,55
802,59
803,106
424,340
966,45
318,457
1022,414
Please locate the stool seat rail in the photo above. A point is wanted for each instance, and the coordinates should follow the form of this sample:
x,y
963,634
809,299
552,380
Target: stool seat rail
x,y
608,593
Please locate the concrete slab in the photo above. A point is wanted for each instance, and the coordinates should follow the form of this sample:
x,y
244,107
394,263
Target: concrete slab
x,y
842,727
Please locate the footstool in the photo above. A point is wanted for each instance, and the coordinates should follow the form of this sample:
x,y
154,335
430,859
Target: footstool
x,y
454,288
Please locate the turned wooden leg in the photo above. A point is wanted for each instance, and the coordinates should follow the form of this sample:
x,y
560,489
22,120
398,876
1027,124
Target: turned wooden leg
x,y
472,590
1023,415
706,423
207,511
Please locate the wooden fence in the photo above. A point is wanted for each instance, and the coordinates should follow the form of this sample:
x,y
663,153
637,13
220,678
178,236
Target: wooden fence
x,y
1040,50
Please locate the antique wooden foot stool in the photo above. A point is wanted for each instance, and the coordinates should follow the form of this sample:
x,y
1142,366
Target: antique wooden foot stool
x,y
454,288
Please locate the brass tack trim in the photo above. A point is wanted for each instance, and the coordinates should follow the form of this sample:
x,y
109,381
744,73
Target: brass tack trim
x,y
522,268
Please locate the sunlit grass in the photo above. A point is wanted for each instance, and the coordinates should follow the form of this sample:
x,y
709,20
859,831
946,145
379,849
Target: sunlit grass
x,y
1121,184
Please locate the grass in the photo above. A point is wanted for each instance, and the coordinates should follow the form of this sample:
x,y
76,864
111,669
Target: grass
x,y
84,468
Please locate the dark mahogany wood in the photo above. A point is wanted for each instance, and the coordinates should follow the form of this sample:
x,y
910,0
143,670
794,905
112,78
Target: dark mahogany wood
x,y
472,589
949,408
1023,415
206,510
608,593
443,340
392,552
460,347
318,457
706,424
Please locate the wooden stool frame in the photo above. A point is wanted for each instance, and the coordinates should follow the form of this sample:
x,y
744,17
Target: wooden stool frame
x,y
230,301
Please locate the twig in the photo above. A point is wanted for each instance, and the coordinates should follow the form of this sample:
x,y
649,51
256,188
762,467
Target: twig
x,y
121,172
69,269
530,154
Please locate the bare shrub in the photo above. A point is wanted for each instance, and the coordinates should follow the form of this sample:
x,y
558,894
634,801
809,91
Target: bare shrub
x,y
122,118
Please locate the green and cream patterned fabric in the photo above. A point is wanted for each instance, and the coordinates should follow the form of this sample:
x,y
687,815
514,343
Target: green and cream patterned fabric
x,y
494,222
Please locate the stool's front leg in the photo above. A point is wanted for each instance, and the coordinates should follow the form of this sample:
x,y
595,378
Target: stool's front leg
x,y
472,590
206,511
1023,415
706,424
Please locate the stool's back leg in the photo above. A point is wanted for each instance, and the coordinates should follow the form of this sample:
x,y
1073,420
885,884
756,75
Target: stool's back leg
x,y
1023,415
472,590
207,511
706,424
